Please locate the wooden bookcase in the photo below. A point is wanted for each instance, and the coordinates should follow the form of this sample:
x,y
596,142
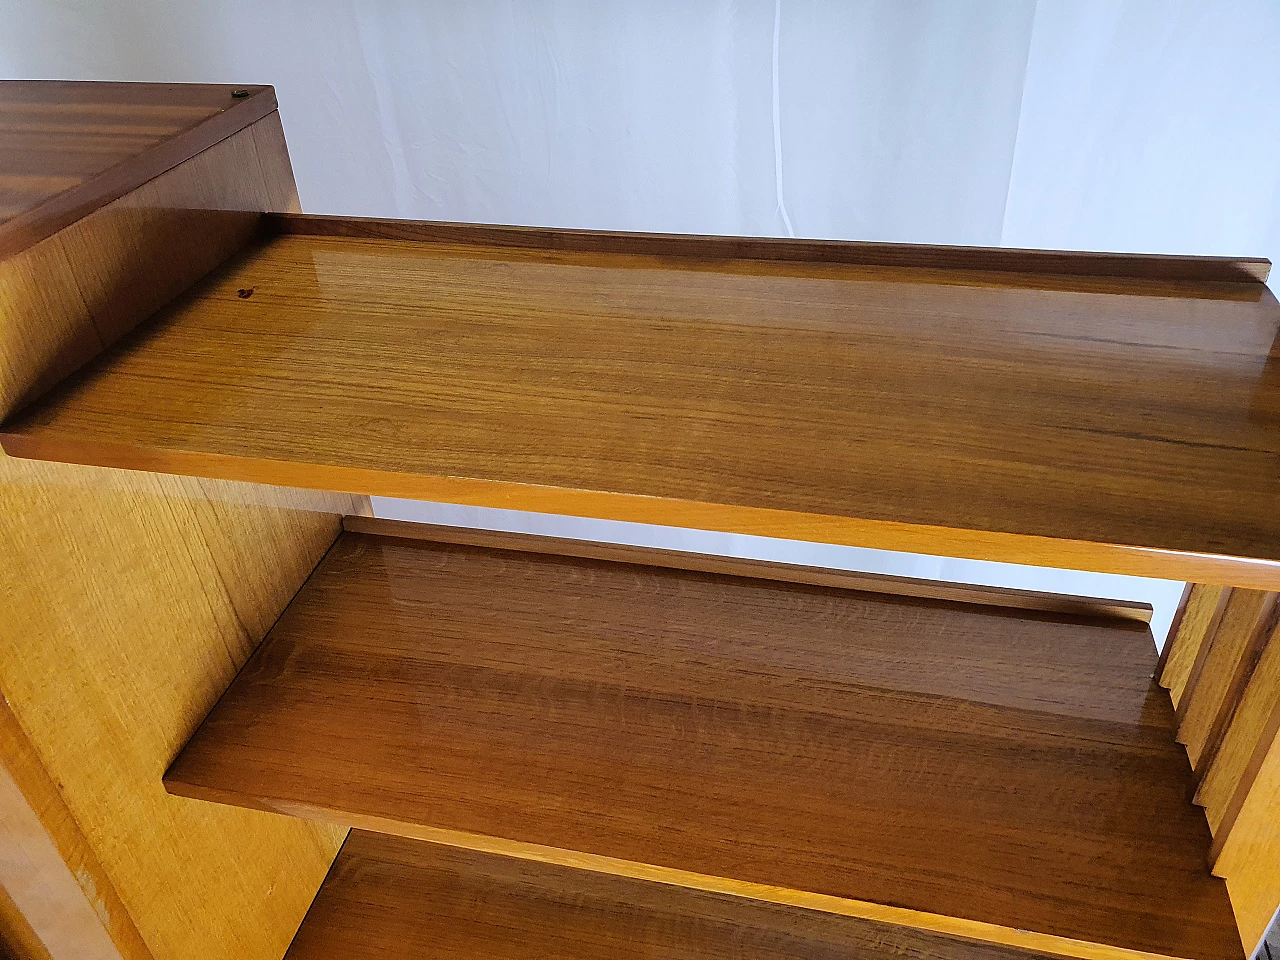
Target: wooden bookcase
x,y
216,664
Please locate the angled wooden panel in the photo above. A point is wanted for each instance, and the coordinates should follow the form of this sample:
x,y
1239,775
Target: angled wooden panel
x,y
1252,851
130,602
805,391
1228,659
1245,745
1003,775
1199,620
69,147
388,898
65,298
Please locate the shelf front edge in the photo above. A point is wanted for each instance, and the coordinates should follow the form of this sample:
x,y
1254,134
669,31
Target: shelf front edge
x,y
1250,573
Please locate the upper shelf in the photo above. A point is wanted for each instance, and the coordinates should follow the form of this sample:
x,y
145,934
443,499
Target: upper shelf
x,y
1111,413
68,147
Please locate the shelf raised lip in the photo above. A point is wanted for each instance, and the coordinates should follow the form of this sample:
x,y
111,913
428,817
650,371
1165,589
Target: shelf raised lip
x,y
1064,263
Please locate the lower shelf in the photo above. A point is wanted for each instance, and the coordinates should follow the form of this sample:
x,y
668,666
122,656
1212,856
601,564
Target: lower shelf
x,y
388,898
998,773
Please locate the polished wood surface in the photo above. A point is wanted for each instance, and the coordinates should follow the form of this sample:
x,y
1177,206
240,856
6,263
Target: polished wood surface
x,y
1007,598
1197,621
955,767
1253,728
1069,263
66,298
68,148
388,898
1229,657
1252,850
130,602
1114,424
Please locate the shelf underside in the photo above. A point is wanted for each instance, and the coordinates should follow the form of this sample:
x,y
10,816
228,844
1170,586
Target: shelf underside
x,y
947,766
1060,420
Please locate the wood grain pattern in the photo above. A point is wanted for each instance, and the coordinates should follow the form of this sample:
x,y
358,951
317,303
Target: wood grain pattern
x,y
390,898
1245,746
1101,423
1175,627
131,601
1069,263
1238,683
854,753
1252,850
66,298
68,147
1229,656
1007,598
1200,619
61,905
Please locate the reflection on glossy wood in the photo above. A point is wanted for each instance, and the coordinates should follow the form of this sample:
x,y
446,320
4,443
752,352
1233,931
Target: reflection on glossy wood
x,y
65,298
1008,260
390,898
857,753
1083,422
130,602
68,147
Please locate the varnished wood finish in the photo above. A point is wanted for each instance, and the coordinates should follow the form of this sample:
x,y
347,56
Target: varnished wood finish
x,y
1238,683
130,601
1229,657
1197,623
1175,627
885,756
1008,598
1068,263
388,898
1248,739
67,297
68,148
1102,423
1252,850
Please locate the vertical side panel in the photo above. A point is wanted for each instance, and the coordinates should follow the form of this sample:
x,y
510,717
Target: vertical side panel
x,y
1231,651
1199,618
1245,745
1250,861
60,903
68,297
132,600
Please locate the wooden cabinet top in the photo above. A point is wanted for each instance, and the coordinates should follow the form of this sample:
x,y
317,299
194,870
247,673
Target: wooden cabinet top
x,y
69,147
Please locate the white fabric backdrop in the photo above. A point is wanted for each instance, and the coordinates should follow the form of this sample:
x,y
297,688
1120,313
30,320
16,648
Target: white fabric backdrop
x,y
1149,125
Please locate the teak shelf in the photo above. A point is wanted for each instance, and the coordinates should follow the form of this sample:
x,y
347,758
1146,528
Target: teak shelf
x,y
999,405
836,749
503,746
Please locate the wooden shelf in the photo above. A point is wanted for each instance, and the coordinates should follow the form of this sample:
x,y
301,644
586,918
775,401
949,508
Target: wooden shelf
x,y
1110,413
1006,775
387,898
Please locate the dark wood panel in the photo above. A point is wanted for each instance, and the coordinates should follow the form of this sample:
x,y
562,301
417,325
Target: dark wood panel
x,y
69,147
1101,423
1014,770
388,898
